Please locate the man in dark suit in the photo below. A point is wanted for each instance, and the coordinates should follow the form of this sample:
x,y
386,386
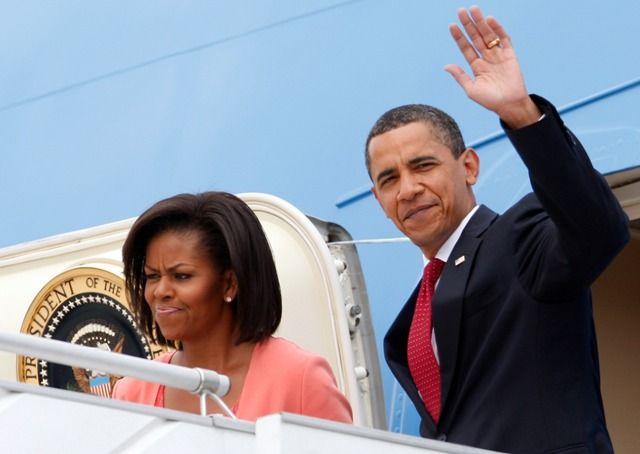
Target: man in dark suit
x,y
512,363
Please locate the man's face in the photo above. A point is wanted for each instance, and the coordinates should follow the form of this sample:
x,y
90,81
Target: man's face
x,y
421,187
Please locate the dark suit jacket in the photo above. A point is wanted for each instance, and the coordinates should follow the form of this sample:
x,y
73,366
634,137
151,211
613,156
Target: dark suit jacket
x,y
513,321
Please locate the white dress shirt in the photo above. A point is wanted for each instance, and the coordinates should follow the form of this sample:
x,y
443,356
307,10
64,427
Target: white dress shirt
x,y
443,254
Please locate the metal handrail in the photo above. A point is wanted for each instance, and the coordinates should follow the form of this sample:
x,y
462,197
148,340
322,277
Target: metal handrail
x,y
195,380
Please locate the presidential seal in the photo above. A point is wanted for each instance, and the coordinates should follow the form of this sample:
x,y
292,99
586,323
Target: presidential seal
x,y
84,306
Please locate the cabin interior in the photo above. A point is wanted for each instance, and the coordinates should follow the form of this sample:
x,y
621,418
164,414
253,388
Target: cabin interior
x,y
616,297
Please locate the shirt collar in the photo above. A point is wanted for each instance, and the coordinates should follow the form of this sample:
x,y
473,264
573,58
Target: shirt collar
x,y
445,250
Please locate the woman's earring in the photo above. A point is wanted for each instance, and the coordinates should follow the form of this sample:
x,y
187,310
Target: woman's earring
x,y
228,299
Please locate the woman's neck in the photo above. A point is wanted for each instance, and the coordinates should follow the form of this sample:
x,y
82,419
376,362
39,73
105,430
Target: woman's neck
x,y
221,355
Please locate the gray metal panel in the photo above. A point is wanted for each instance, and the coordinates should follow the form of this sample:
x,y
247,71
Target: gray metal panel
x,y
358,314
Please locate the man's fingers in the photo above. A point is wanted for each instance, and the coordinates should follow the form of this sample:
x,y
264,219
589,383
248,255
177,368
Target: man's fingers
x,y
468,51
486,32
471,29
505,40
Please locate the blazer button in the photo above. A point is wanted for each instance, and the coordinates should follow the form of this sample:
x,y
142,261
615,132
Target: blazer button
x,y
442,437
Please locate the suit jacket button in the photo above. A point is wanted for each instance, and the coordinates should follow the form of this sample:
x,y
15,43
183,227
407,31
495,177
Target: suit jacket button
x,y
442,437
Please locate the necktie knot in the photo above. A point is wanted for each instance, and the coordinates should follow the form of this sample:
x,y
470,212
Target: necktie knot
x,y
432,271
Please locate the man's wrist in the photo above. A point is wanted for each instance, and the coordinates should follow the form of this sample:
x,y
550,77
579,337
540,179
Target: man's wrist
x,y
521,115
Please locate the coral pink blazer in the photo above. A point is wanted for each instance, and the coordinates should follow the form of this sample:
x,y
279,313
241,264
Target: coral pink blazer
x,y
282,377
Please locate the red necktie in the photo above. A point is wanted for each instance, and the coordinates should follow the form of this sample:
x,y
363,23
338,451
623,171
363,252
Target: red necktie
x,y
422,360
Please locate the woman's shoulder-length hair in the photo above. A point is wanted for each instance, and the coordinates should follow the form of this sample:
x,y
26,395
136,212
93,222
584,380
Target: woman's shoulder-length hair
x,y
232,237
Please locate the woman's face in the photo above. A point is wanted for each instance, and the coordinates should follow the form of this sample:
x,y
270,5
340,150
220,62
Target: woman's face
x,y
184,290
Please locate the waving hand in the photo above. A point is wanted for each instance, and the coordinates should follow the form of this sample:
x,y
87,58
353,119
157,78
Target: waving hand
x,y
497,83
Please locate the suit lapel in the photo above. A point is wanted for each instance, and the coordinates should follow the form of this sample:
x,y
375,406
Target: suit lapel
x,y
395,350
449,297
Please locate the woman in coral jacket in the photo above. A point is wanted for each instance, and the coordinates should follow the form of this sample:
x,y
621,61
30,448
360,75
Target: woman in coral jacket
x,y
201,278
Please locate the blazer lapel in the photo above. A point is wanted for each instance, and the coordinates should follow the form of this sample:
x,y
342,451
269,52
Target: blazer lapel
x,y
449,297
395,351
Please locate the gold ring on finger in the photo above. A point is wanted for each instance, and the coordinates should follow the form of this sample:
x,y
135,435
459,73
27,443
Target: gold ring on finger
x,y
493,43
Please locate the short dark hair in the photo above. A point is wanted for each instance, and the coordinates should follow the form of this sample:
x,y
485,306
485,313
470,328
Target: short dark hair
x,y
232,238
444,127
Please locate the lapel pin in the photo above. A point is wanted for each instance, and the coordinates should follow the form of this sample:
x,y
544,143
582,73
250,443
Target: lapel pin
x,y
459,260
